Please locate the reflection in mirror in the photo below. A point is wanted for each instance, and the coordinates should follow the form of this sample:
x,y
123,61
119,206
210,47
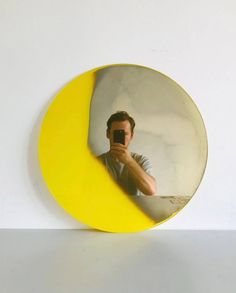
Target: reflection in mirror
x,y
150,136
130,170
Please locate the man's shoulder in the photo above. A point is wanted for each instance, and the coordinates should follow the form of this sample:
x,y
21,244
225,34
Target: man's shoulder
x,y
139,157
143,161
104,157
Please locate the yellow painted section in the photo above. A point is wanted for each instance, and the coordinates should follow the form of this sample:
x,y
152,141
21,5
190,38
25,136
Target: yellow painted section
x,y
76,179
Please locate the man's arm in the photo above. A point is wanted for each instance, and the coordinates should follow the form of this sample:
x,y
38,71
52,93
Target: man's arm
x,y
145,182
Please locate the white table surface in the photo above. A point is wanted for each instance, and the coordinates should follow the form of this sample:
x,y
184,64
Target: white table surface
x,y
59,261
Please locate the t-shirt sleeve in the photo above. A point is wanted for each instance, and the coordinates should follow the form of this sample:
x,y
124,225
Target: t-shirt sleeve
x,y
145,163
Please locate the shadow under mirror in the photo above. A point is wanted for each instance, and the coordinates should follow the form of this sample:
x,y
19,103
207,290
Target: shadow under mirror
x,y
148,133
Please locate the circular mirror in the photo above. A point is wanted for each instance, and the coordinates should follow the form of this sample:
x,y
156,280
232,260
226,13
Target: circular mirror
x,y
122,148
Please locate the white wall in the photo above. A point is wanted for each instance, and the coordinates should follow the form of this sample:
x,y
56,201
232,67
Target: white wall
x,y
44,44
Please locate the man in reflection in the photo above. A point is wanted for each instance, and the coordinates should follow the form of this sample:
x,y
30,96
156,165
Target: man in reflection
x,y
132,171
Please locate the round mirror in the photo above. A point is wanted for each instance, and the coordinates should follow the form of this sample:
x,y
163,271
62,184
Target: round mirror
x,y
122,148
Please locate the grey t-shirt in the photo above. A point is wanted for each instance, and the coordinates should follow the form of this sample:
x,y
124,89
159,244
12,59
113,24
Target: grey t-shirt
x,y
121,173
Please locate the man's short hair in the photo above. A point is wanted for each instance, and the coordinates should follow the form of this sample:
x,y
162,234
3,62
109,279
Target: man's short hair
x,y
120,116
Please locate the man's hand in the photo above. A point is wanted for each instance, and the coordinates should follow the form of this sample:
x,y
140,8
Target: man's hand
x,y
145,182
120,152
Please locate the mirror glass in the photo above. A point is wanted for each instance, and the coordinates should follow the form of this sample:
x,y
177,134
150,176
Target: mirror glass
x,y
138,141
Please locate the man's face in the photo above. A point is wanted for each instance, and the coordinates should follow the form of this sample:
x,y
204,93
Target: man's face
x,y
117,125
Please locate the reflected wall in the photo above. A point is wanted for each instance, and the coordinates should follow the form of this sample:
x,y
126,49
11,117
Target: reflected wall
x,y
169,128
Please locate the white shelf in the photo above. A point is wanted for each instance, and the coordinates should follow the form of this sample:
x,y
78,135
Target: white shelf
x,y
59,261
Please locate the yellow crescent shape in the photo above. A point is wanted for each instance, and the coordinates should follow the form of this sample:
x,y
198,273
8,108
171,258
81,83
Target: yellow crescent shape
x,y
75,178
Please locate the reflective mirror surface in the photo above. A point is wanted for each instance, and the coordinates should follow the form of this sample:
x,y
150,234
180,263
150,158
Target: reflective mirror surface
x,y
110,174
